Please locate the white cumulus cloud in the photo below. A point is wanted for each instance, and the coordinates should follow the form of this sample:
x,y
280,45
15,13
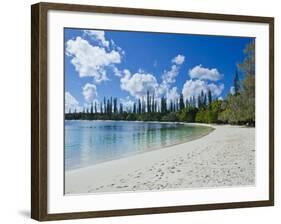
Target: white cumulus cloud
x,y
89,92
169,77
178,59
71,104
97,35
117,72
195,87
200,72
138,84
90,60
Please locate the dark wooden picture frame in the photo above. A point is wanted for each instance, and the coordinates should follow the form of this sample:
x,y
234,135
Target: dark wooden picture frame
x,y
39,121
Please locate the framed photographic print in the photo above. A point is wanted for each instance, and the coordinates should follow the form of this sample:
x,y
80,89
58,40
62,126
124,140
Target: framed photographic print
x,y
138,111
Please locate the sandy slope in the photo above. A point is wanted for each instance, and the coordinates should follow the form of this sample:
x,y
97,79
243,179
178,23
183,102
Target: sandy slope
x,y
225,157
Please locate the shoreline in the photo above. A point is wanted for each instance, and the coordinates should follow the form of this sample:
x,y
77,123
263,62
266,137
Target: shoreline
x,y
208,161
167,122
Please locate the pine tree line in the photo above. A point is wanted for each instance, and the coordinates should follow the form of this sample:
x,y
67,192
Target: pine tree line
x,y
110,105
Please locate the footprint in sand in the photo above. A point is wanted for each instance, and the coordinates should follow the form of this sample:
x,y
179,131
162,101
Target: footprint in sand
x,y
171,168
122,186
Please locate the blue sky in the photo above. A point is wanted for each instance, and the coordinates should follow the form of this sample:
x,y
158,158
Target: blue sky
x,y
126,64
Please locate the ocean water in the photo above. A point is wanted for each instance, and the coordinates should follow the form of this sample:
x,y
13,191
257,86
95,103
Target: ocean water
x,y
92,142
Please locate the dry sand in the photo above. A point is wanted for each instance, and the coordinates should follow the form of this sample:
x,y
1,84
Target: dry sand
x,y
225,157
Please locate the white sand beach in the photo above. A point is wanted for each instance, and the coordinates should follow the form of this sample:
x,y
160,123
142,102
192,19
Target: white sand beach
x,y
225,157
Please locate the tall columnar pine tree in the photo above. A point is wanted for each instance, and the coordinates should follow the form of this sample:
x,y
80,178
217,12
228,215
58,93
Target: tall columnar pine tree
x,y
181,106
205,100
236,83
139,106
134,108
110,105
115,106
104,105
96,110
163,105
209,97
92,108
121,108
143,106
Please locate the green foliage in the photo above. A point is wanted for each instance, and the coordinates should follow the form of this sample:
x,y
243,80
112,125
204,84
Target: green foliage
x,y
131,117
223,116
240,110
206,116
210,113
170,117
200,116
187,114
240,107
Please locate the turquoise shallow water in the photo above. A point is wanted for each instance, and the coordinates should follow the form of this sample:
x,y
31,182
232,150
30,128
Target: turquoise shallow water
x,y
91,142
